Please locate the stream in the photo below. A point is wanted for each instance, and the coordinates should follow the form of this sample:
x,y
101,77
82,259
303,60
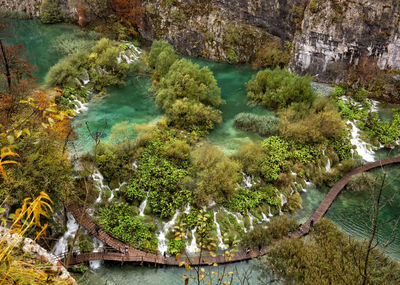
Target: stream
x,y
134,103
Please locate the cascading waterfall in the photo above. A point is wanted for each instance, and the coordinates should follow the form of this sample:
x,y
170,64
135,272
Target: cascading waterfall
x,y
251,218
130,55
248,181
361,146
192,247
265,218
134,165
269,212
79,106
162,240
62,244
283,202
143,205
97,245
116,190
328,166
187,209
99,182
221,244
237,217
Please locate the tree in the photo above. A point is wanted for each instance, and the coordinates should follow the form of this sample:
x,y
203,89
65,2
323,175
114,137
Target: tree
x,y
279,88
15,77
130,11
162,55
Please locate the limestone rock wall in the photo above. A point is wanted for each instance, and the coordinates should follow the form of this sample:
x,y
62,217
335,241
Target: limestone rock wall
x,y
338,37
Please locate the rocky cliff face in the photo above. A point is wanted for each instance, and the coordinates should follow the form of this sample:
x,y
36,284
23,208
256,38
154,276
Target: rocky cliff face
x,y
233,31
333,40
341,36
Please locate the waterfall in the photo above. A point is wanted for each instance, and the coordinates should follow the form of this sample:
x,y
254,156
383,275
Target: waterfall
x,y
328,166
248,181
283,199
221,244
269,212
129,55
265,218
192,248
361,146
237,217
116,190
162,241
97,244
99,182
79,106
143,205
187,209
251,218
62,244
134,165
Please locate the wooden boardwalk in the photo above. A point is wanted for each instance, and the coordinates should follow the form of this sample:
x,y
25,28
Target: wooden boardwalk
x,y
141,257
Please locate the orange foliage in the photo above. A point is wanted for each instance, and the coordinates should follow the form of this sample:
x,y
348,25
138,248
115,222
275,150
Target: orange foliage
x,y
81,14
131,11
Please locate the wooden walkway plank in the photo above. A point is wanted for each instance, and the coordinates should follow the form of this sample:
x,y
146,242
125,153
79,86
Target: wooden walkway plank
x,y
138,256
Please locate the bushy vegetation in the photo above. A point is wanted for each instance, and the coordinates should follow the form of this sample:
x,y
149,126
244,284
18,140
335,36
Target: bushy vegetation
x,y
215,175
161,168
187,93
50,12
329,257
263,125
162,55
316,123
279,88
100,65
67,44
121,221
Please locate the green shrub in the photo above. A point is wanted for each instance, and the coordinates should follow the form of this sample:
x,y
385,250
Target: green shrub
x,y
162,55
215,175
263,125
189,115
317,123
279,88
50,12
120,221
277,228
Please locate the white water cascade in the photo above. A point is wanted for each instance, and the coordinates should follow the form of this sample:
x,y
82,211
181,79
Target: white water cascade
x,y
265,218
162,240
79,106
192,247
143,205
328,166
361,146
116,190
62,244
251,218
269,212
221,244
97,244
238,218
99,182
130,55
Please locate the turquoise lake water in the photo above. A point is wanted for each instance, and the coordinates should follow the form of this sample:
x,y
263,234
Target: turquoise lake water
x,y
134,103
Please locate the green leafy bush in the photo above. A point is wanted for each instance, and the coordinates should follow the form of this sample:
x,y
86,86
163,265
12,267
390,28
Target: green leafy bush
x,y
263,125
121,221
279,88
317,123
50,12
162,55
215,175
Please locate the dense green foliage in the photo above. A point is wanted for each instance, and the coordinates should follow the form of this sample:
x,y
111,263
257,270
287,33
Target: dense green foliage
x,y
263,125
100,66
162,55
50,12
186,93
279,88
315,123
278,227
329,257
245,200
215,175
161,167
121,221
